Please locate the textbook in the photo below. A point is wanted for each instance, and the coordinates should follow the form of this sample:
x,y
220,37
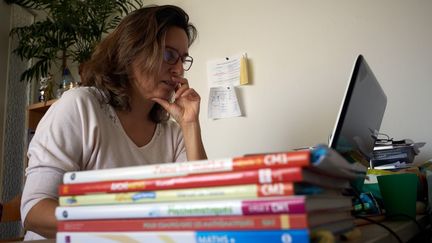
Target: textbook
x,y
248,191
271,160
250,222
245,236
260,176
327,161
279,205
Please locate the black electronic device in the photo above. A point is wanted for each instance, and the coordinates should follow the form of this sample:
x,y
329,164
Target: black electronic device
x,y
360,115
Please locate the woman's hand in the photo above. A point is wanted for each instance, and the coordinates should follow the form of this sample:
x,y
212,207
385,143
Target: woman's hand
x,y
185,108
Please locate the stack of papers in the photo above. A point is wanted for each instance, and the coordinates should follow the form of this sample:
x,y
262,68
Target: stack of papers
x,y
395,154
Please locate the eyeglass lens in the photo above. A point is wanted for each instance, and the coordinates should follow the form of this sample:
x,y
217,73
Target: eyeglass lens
x,y
171,57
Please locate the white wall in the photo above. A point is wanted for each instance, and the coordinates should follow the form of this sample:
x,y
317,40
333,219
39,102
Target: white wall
x,y
301,54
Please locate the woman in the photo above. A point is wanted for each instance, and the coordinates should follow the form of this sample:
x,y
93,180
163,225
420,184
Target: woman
x,y
119,117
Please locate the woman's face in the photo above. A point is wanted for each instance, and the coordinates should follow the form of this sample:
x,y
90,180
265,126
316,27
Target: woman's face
x,y
162,85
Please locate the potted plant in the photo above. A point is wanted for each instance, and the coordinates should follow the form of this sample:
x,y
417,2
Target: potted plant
x,y
69,32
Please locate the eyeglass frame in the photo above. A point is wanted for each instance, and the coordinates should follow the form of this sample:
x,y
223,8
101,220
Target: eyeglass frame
x,y
185,59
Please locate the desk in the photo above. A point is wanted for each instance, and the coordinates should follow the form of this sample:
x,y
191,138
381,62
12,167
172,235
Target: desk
x,y
406,230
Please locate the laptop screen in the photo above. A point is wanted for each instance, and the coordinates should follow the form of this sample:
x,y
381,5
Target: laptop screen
x,y
360,115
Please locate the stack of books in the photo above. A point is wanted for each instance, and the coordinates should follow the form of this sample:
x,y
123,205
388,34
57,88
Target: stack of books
x,y
275,197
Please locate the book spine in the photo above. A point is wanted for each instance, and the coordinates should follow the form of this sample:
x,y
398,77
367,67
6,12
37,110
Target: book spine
x,y
260,176
274,236
249,191
271,160
291,205
252,222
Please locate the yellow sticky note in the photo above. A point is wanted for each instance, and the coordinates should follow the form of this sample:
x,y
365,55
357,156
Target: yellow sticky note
x,y
244,79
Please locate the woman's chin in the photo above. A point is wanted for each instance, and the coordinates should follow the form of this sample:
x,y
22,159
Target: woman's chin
x,y
167,96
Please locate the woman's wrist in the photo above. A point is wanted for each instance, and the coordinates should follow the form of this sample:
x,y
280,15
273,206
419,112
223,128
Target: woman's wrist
x,y
193,141
191,125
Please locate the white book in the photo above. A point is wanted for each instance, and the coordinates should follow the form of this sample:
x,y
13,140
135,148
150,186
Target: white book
x,y
287,204
150,210
148,171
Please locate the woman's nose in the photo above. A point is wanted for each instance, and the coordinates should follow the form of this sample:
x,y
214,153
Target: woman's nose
x,y
177,68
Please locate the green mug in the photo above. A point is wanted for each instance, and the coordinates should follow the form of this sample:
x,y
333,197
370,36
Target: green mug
x,y
399,193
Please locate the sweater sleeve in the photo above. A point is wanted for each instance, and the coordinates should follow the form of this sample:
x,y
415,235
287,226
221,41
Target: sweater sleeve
x,y
56,147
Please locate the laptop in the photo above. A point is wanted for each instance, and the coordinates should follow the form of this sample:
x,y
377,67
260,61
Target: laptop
x,y
360,115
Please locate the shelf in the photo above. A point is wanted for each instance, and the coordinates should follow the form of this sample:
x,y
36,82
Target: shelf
x,y
36,112
41,106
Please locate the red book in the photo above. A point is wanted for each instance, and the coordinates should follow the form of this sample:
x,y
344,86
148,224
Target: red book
x,y
258,222
261,176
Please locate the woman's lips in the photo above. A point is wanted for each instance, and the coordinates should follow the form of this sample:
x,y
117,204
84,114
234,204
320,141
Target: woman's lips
x,y
170,83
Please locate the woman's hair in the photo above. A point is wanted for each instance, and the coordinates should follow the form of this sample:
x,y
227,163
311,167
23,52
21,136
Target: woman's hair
x,y
140,34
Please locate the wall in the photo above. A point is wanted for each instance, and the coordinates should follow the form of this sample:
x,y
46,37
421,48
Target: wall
x,y
4,50
301,54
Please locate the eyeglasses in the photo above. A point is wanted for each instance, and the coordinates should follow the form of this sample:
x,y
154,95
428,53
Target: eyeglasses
x,y
171,56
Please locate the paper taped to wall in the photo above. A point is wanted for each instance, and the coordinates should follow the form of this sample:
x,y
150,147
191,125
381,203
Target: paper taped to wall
x,y
228,71
223,103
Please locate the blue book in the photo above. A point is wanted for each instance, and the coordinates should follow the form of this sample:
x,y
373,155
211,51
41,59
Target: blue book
x,y
274,236
256,236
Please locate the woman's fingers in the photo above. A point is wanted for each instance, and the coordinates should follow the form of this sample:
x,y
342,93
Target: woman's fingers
x,y
180,91
191,94
183,85
165,104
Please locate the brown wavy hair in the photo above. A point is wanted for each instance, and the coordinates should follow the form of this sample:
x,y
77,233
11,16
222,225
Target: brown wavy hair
x,y
140,34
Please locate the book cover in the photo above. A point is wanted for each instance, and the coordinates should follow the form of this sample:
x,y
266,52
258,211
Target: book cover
x,y
278,205
260,176
249,222
249,191
328,161
274,236
271,160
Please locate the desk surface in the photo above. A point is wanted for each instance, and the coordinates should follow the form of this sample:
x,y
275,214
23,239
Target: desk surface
x,y
369,233
406,230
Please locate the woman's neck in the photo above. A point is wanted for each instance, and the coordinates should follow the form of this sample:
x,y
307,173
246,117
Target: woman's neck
x,y
137,123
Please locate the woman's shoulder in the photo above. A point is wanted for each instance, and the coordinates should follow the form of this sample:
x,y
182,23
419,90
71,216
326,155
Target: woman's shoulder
x,y
82,100
85,97
83,93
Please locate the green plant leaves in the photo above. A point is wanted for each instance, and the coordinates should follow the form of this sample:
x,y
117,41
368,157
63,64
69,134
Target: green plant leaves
x,y
71,31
